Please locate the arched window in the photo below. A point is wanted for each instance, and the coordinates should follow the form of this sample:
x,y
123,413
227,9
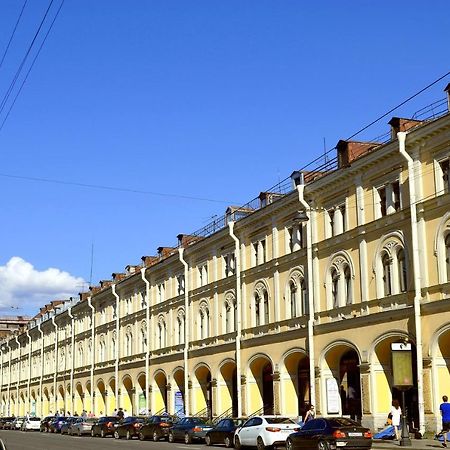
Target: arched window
x,y
204,321
261,304
180,326
143,337
387,282
339,281
113,346
162,333
401,261
128,342
293,298
447,255
230,313
442,249
304,298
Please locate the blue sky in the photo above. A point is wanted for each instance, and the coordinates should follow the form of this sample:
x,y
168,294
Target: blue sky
x,y
210,99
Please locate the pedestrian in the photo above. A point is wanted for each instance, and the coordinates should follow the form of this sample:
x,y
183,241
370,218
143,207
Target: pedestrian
x,y
68,413
125,413
445,413
310,414
120,414
84,414
396,413
101,413
75,414
114,414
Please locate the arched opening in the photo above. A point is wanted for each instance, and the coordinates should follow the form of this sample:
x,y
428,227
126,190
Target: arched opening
x,y
204,401
262,372
22,404
386,392
101,398
442,364
33,410
297,395
88,398
45,402
79,399
160,397
112,401
179,398
350,385
127,396
60,404
142,398
228,389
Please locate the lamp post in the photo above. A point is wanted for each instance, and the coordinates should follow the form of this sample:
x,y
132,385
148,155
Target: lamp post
x,y
402,380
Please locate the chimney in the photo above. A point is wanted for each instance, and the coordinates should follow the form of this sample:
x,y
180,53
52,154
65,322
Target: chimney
x,y
401,124
94,289
447,89
184,240
105,283
149,260
164,252
266,198
84,296
348,151
118,276
131,269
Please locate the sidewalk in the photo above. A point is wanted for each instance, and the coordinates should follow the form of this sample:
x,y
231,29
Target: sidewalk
x,y
416,444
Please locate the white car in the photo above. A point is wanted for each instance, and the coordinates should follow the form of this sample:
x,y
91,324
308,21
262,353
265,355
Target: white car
x,y
31,424
264,431
17,424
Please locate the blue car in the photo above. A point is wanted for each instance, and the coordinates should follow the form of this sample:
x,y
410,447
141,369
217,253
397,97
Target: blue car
x,y
189,429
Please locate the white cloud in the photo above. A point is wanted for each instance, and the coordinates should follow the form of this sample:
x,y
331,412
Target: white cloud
x,y
27,289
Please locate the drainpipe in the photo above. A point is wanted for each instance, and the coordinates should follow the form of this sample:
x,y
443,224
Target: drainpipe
x,y
55,375
186,331
1,377
238,316
9,380
72,346
89,300
148,347
116,363
417,278
41,398
30,343
309,262
19,365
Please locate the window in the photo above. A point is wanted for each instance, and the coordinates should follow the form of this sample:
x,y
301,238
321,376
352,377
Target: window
x,y
128,342
295,295
336,220
293,299
401,261
387,199
335,287
114,311
229,264
443,176
230,313
204,321
387,275
180,284
447,255
261,305
113,346
294,238
259,252
143,338
162,334
143,297
203,274
180,326
161,292
128,306
339,281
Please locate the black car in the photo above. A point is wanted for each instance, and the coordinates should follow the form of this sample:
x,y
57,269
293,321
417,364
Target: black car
x,y
128,427
223,432
45,423
104,426
156,428
5,423
330,433
189,429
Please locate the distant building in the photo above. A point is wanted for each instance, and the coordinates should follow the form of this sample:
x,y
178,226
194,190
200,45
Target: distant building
x,y
9,324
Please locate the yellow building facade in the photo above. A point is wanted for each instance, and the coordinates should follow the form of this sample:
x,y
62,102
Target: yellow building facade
x,y
294,299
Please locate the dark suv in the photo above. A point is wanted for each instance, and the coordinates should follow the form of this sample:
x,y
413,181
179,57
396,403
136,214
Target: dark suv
x,y
156,428
104,426
128,427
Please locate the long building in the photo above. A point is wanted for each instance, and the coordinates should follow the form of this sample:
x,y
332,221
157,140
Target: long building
x,y
300,297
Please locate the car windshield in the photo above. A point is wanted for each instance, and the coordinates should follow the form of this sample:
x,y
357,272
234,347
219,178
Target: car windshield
x,y
279,420
342,422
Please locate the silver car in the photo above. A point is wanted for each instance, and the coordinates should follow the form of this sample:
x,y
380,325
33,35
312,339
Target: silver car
x,y
82,425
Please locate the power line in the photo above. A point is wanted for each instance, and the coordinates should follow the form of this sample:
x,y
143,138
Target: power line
x,y
31,66
12,34
19,70
113,188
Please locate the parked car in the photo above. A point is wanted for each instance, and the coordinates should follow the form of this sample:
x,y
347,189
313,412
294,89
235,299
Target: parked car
x,y
223,432
128,427
45,423
66,424
156,428
5,423
54,426
31,424
332,432
83,425
104,426
17,423
189,429
264,431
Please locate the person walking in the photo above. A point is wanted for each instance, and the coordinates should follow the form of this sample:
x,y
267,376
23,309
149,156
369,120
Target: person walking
x,y
445,413
310,414
396,414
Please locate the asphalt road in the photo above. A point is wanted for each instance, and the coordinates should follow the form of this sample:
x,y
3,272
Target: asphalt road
x,y
18,440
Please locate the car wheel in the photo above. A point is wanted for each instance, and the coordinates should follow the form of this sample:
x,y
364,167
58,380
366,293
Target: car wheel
x,y
92,433
289,444
128,436
116,435
237,443
260,443
155,436
141,436
228,442
79,432
323,445
187,438
208,440
102,433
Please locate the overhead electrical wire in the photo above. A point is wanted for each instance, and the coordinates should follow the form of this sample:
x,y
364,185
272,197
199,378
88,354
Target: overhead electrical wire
x,y
13,33
31,66
24,59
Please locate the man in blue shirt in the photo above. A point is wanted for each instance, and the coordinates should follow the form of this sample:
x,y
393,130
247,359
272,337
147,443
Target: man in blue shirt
x,y
445,413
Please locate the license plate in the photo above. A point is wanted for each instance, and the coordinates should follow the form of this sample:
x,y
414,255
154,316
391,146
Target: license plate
x,y
351,434
207,429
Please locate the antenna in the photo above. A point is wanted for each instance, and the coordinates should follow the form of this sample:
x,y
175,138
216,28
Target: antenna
x,y
325,154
